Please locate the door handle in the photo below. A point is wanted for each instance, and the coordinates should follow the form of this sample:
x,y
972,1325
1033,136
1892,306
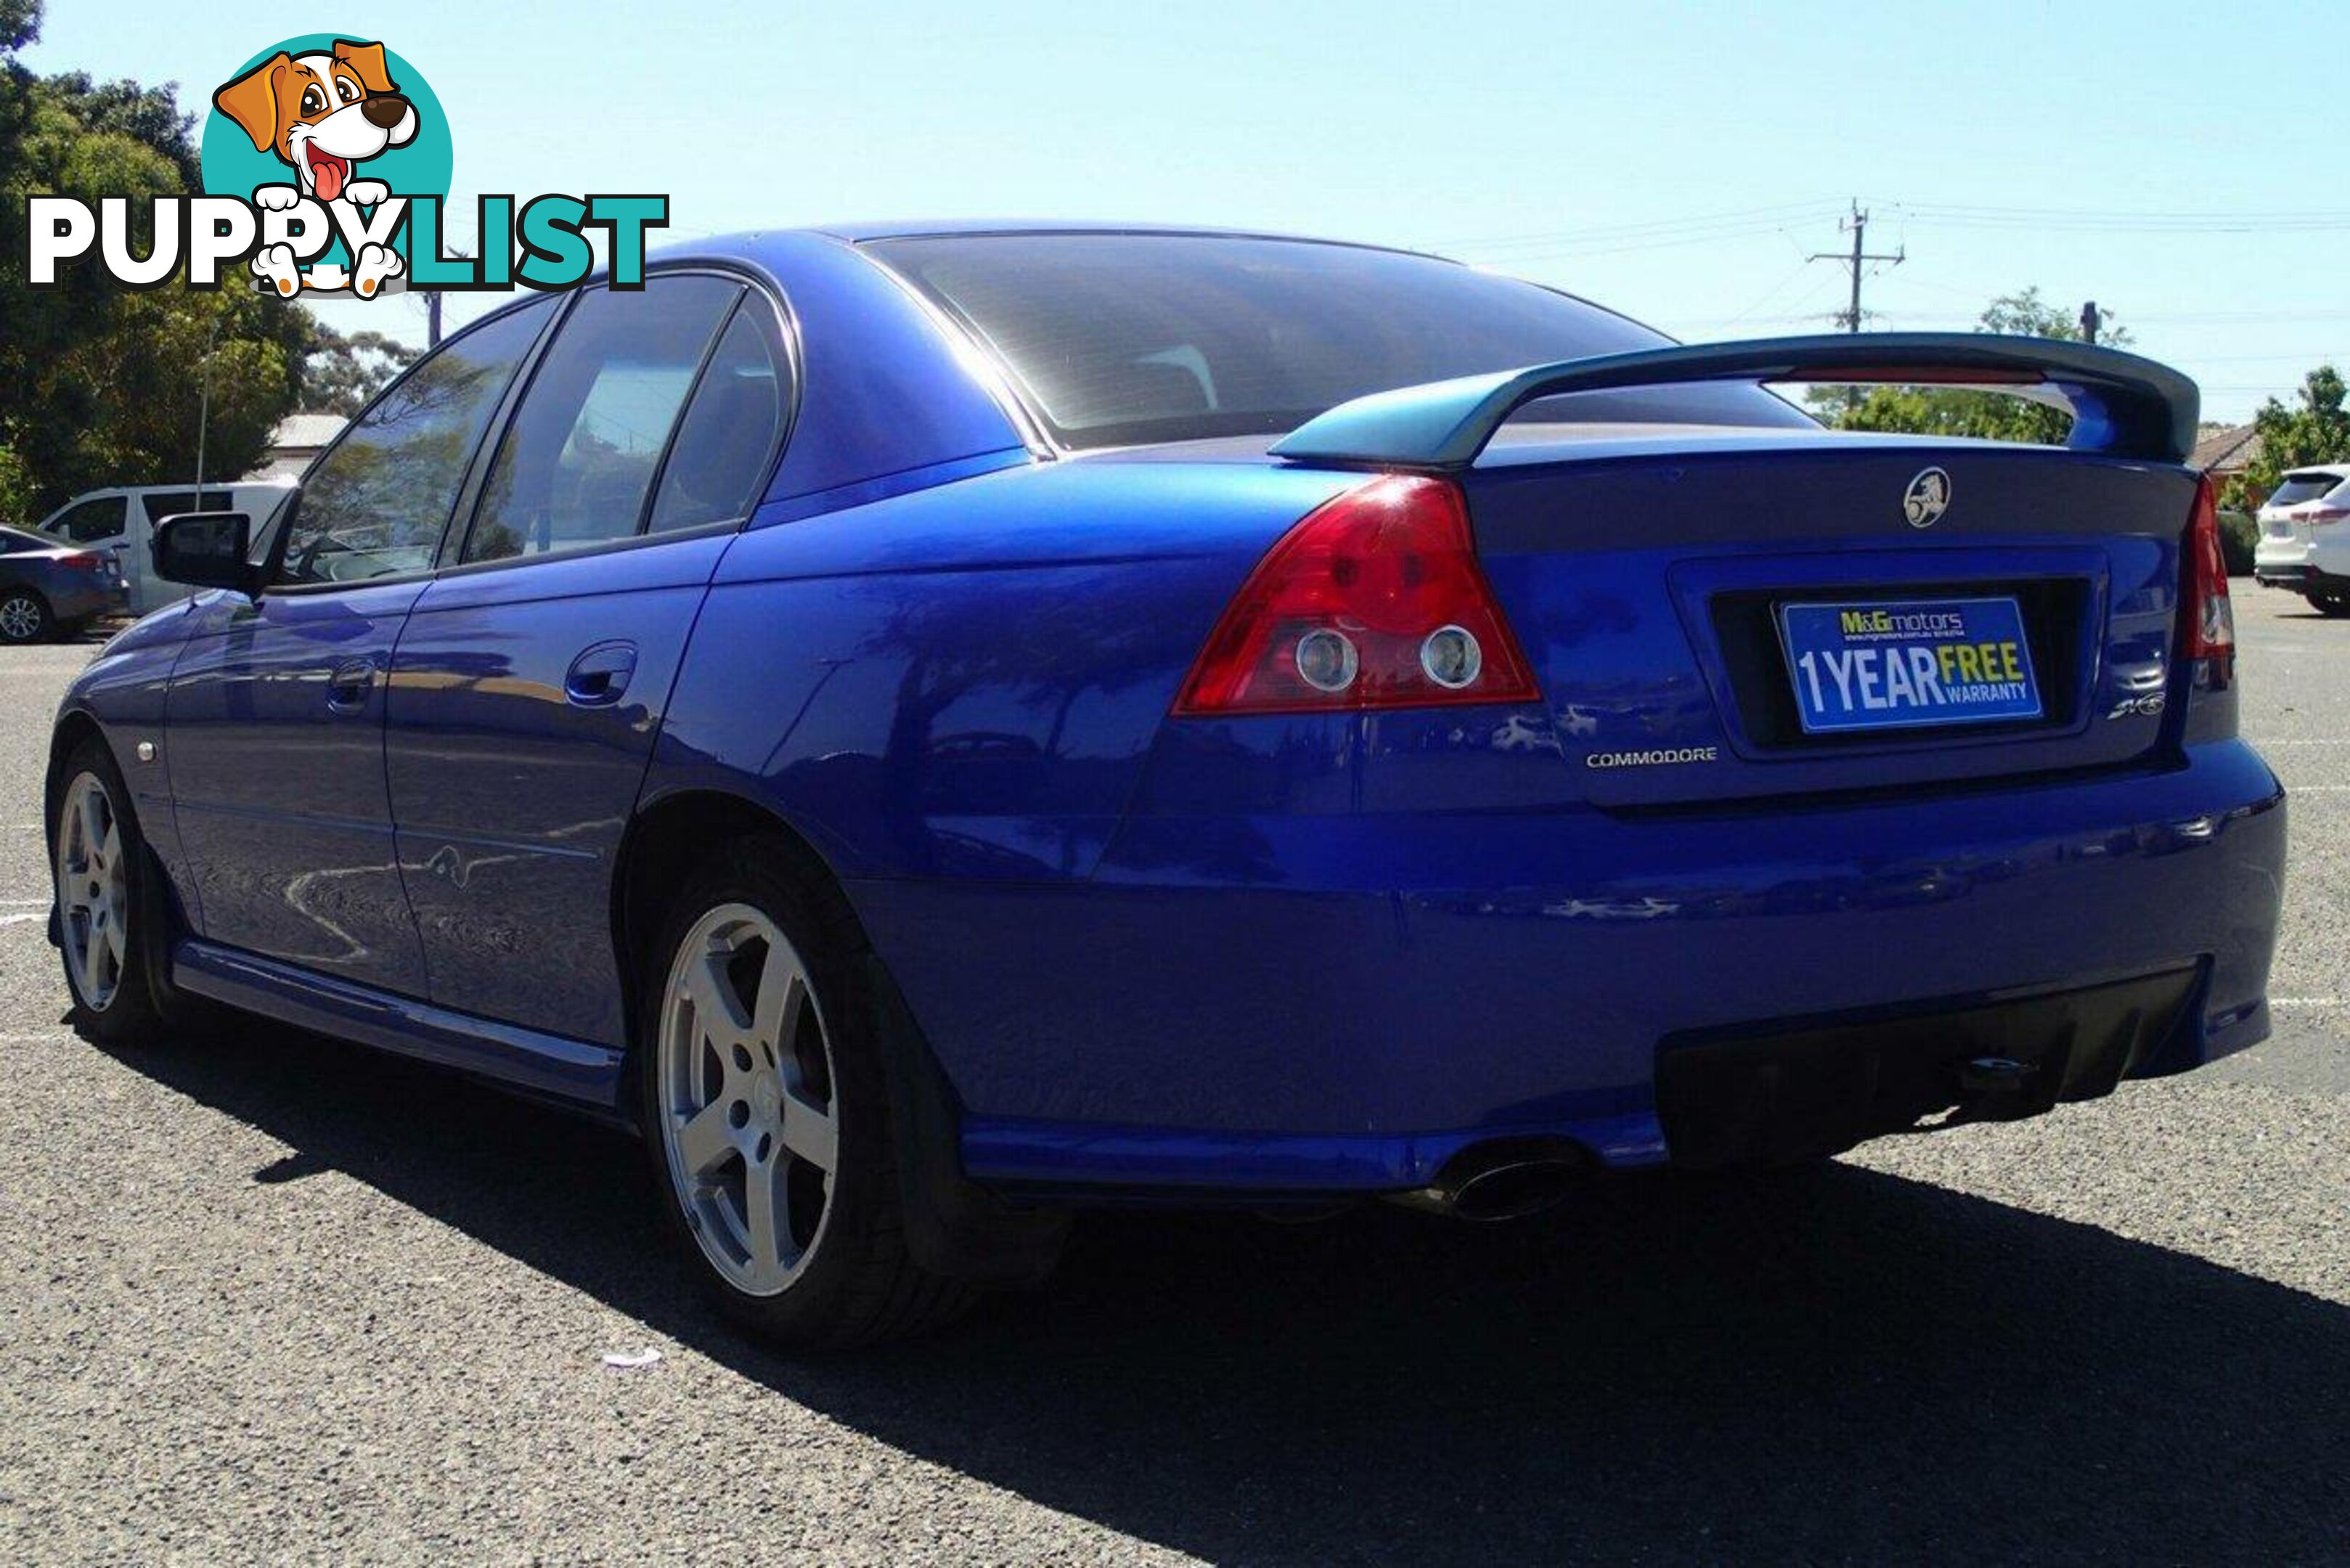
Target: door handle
x,y
601,674
348,687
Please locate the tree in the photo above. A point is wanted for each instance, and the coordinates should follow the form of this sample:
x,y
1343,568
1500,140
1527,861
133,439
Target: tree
x,y
2318,431
342,372
20,24
103,385
1996,416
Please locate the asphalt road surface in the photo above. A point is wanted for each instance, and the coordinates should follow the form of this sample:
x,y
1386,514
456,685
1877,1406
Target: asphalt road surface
x,y
278,1299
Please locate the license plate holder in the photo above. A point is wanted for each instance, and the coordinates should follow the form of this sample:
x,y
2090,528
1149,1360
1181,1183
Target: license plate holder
x,y
1880,664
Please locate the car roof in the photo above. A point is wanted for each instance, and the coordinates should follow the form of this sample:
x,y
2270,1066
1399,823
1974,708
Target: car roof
x,y
746,243
274,482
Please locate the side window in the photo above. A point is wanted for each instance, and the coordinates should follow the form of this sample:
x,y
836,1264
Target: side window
x,y
720,460
578,462
92,520
376,504
172,503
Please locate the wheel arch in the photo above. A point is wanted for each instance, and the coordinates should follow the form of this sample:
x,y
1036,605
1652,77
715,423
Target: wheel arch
x,y
953,1227
73,727
160,897
669,833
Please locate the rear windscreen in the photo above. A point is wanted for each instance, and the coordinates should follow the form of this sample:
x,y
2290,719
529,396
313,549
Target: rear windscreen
x,y
2300,487
1120,339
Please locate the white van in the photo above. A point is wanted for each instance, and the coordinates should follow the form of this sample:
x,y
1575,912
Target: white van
x,y
123,520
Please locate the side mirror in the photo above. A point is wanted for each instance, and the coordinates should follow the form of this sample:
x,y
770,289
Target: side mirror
x,y
206,550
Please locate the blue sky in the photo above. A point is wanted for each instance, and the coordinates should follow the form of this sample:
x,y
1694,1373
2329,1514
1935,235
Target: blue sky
x,y
1676,162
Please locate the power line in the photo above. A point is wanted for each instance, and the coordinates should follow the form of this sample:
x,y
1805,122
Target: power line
x,y
1658,234
1773,292
1602,233
2117,221
1666,241
1857,226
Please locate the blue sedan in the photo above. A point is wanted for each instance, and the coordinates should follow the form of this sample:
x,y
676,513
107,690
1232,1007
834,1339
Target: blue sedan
x,y
939,727
49,589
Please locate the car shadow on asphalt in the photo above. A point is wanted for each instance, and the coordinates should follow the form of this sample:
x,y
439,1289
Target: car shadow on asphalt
x,y
1836,1365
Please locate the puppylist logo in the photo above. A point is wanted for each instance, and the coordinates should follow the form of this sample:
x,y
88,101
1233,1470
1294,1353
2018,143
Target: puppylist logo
x,y
326,162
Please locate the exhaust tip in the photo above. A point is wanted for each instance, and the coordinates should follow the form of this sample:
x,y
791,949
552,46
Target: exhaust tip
x,y
1515,1191
1505,1180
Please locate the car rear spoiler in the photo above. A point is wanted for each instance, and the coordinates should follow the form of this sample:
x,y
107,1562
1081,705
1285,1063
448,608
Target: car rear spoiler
x,y
2123,406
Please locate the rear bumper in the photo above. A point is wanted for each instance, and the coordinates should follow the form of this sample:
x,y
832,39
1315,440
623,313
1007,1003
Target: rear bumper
x,y
1816,1087
1338,1003
2311,577
72,604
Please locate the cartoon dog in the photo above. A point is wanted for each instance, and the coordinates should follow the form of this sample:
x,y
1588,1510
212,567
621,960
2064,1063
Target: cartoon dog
x,y
322,114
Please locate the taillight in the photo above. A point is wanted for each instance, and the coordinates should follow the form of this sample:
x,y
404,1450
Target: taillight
x,y
81,561
2322,514
1373,600
2211,619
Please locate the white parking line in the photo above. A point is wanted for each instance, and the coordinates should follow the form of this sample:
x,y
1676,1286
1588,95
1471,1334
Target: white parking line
x,y
2306,1000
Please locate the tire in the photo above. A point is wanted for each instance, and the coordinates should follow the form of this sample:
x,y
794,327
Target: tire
x,y
113,915
736,1117
2331,603
25,617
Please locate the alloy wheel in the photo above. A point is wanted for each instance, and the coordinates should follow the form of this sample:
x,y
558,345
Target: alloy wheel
x,y
93,890
747,1116
20,617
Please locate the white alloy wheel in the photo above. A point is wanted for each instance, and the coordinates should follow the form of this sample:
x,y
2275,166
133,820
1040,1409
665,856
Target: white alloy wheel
x,y
93,892
747,1116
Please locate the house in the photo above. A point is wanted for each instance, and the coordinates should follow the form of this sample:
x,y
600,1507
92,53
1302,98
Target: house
x,y
298,439
2224,451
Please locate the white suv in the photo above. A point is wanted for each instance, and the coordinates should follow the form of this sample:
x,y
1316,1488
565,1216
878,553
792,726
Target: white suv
x,y
122,520
2304,544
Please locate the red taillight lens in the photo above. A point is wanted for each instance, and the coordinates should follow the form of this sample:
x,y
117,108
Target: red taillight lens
x,y
2203,583
81,561
2325,514
1373,600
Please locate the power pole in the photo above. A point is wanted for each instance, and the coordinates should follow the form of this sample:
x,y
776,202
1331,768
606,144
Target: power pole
x,y
204,412
432,308
2090,322
1857,226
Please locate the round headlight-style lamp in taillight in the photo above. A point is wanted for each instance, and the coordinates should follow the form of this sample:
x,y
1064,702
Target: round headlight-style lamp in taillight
x,y
1373,600
1451,658
1327,659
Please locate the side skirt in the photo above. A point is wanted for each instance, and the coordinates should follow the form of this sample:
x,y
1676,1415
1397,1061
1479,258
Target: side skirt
x,y
575,1073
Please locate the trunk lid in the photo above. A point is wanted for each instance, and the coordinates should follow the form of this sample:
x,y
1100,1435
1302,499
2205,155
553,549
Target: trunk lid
x,y
1649,577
